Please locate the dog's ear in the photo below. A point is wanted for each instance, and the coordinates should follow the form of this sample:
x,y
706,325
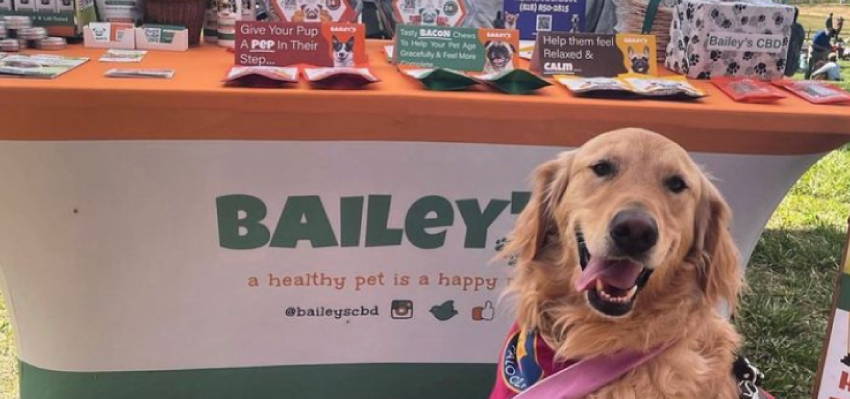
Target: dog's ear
x,y
536,220
488,43
631,52
713,250
646,51
350,42
513,49
303,6
334,40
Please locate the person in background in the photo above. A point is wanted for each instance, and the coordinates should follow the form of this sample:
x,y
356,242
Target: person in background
x,y
829,70
819,49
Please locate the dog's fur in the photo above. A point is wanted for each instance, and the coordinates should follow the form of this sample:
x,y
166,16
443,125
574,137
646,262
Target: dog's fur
x,y
639,62
499,56
695,265
342,52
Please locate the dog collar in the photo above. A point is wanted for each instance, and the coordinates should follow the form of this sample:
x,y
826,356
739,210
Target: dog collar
x,y
527,369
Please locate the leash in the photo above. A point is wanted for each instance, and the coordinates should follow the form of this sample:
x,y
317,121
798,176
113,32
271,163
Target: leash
x,y
588,375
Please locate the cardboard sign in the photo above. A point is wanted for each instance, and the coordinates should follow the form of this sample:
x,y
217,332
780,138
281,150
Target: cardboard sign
x,y
285,43
532,16
430,12
463,49
594,55
315,10
833,379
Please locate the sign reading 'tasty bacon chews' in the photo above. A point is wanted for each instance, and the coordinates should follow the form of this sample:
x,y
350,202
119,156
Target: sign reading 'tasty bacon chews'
x,y
284,43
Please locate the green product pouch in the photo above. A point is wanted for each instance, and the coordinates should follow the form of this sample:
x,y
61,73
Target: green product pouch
x,y
441,79
514,81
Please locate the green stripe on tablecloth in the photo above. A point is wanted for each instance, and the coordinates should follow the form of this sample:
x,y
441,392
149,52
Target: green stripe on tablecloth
x,y
844,291
366,381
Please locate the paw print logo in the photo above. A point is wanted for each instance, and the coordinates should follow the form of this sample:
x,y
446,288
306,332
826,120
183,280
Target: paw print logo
x,y
686,39
762,18
715,55
699,23
675,24
744,20
693,60
685,67
681,45
748,55
704,75
761,68
726,24
739,8
732,68
690,11
500,245
715,13
695,39
780,64
778,19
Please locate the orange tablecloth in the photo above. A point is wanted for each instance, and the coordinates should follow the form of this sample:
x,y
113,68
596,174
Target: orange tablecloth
x,y
83,104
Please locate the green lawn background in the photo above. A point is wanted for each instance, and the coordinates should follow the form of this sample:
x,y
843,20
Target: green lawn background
x,y
791,273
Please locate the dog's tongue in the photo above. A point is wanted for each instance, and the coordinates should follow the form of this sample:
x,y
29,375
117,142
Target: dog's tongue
x,y
618,273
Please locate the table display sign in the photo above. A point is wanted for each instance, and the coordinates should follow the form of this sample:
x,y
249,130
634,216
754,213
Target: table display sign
x,y
430,12
463,49
532,16
594,55
833,379
289,43
314,10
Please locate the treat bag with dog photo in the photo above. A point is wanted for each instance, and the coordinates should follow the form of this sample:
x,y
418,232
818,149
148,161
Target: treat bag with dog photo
x,y
594,55
532,16
315,10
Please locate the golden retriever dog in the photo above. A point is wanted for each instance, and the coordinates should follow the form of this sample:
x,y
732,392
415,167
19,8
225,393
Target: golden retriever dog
x,y
624,245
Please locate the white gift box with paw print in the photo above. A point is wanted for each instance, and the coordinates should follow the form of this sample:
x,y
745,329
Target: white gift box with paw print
x,y
710,38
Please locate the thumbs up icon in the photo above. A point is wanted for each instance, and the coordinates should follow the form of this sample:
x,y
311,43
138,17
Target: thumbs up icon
x,y
486,312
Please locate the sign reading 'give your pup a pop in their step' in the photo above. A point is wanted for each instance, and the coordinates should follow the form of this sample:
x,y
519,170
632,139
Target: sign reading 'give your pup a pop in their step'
x,y
284,44
462,49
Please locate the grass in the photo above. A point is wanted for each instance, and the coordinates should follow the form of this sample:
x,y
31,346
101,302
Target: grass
x,y
791,276
8,359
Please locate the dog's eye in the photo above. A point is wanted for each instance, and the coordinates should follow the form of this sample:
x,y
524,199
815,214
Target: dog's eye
x,y
603,168
675,184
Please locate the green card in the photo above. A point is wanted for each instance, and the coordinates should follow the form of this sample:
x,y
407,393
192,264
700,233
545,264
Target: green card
x,y
439,47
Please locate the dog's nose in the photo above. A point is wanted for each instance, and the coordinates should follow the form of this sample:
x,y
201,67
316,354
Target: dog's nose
x,y
634,232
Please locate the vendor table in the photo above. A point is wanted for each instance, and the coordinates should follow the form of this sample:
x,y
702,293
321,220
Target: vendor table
x,y
178,239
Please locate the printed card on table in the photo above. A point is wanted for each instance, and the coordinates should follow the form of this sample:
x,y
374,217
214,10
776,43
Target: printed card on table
x,y
462,49
532,16
286,43
594,55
